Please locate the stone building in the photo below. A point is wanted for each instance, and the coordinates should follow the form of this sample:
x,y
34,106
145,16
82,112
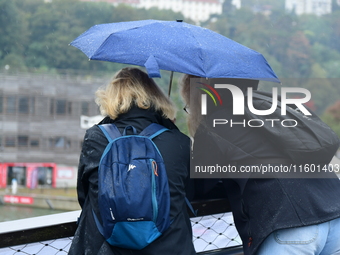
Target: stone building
x,y
196,10
317,7
40,116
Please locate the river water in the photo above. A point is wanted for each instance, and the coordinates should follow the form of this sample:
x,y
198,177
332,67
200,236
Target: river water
x,y
10,212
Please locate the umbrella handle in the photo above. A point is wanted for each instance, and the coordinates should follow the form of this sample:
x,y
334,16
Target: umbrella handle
x,y
172,73
170,83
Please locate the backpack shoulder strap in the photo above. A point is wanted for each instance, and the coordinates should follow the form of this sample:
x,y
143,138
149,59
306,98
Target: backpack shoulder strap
x,y
153,130
110,131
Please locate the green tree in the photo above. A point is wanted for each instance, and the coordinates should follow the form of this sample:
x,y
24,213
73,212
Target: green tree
x,y
14,34
295,46
227,7
333,68
332,117
298,61
51,34
316,28
335,24
322,90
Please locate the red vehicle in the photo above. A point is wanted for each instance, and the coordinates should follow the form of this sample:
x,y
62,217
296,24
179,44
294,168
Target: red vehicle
x,y
28,174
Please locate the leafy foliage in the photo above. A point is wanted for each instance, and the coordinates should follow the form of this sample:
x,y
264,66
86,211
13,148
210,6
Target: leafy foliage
x,y
332,117
35,36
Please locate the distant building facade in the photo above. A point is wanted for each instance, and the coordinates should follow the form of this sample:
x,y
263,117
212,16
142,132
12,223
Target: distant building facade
x,y
40,117
196,10
236,3
317,7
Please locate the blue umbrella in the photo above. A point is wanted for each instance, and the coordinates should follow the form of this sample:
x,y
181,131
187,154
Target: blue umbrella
x,y
175,46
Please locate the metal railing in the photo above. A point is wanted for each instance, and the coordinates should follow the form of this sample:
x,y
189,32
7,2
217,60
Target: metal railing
x,y
213,232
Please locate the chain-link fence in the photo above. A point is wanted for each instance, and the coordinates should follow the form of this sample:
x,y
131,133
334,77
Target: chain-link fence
x,y
52,247
214,232
209,233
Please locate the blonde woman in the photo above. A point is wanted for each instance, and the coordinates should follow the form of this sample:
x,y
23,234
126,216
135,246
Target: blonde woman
x,y
134,99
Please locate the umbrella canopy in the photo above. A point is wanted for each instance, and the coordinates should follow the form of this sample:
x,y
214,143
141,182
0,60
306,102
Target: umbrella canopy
x,y
175,46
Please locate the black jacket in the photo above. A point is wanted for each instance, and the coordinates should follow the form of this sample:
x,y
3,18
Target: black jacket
x,y
261,206
175,148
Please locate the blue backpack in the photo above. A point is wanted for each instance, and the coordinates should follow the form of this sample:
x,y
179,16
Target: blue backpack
x,y
133,197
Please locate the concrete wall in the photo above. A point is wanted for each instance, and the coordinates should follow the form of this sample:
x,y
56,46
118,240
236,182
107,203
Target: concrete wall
x,y
39,123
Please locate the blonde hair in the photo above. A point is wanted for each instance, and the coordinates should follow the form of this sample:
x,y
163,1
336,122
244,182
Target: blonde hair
x,y
194,117
131,86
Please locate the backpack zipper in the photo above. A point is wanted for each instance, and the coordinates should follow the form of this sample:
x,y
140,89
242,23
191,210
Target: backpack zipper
x,y
153,179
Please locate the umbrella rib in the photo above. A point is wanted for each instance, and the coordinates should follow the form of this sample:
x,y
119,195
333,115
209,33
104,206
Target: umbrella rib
x,y
114,33
175,47
201,54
